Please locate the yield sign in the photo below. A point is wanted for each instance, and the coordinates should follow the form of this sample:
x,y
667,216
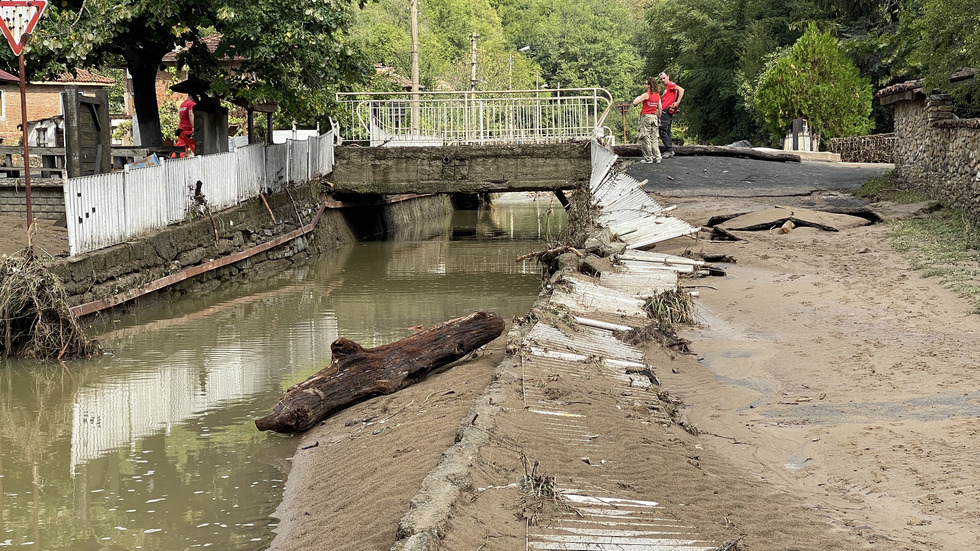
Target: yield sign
x,y
18,19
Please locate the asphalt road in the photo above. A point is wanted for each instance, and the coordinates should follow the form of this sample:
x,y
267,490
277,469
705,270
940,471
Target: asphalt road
x,y
692,176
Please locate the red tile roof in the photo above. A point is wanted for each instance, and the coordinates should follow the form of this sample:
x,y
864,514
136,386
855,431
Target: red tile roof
x,y
82,76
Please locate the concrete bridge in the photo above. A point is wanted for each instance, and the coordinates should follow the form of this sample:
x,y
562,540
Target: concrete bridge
x,y
460,169
468,141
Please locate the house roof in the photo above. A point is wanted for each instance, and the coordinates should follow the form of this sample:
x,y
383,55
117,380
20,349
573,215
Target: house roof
x,y
210,42
82,76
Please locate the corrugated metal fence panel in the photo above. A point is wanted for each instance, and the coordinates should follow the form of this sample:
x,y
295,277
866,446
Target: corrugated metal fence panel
x,y
219,174
178,194
313,145
145,191
251,170
94,208
299,160
602,161
325,158
276,157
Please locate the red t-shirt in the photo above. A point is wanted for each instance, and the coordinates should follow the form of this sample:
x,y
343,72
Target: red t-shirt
x,y
649,105
184,116
670,96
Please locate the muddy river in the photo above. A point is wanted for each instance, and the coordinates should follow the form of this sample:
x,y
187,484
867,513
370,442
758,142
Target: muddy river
x,y
153,446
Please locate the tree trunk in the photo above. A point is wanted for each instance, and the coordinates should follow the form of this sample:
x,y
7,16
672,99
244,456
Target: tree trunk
x,y
356,373
144,74
631,150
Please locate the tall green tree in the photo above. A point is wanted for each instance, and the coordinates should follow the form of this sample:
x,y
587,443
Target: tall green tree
x,y
715,50
292,53
816,81
947,39
581,43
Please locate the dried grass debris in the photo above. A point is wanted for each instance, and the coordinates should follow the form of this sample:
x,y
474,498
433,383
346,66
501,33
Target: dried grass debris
x,y
35,319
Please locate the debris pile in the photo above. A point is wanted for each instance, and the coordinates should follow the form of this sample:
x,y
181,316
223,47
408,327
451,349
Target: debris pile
x,y
35,319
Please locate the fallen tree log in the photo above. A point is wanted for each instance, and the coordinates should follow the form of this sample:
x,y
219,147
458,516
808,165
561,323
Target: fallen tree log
x,y
357,373
633,150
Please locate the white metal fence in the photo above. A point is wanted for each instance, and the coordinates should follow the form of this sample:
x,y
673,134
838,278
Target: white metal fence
x,y
454,118
107,209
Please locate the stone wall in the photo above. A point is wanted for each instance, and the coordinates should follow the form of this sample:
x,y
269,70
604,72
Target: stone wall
x,y
98,275
876,148
938,154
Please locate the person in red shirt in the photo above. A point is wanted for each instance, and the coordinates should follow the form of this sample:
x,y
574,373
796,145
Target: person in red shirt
x,y
671,103
185,125
649,121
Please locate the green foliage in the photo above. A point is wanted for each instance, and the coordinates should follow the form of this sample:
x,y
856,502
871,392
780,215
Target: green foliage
x,y
944,245
579,44
293,53
887,187
816,81
947,39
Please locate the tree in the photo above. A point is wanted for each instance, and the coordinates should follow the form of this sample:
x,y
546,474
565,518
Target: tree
x,y
947,40
292,53
816,81
582,43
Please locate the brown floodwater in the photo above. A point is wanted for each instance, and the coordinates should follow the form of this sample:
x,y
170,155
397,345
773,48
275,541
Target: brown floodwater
x,y
153,446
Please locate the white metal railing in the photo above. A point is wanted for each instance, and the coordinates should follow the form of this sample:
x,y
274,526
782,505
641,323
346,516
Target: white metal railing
x,y
480,117
107,209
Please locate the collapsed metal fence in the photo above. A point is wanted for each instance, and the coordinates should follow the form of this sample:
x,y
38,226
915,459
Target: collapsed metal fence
x,y
475,117
107,209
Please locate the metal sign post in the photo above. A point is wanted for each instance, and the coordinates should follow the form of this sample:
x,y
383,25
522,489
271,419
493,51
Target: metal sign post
x,y
17,21
624,106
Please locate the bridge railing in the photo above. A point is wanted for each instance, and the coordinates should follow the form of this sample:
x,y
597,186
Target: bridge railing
x,y
474,117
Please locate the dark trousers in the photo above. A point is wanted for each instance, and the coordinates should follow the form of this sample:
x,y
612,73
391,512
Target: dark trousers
x,y
665,120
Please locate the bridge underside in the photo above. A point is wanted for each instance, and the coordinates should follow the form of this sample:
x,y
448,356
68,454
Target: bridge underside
x,y
460,169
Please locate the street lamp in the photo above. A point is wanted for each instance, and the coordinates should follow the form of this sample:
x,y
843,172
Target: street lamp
x,y
510,67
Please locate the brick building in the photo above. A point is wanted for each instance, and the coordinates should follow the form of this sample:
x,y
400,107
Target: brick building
x,y
43,100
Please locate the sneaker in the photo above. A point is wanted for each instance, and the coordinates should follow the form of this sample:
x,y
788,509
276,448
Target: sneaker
x,y
657,161
646,161
668,154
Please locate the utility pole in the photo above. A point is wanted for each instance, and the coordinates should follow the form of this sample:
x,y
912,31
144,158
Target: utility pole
x,y
414,7
473,38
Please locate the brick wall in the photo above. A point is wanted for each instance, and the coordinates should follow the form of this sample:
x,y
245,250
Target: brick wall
x,y
42,101
939,154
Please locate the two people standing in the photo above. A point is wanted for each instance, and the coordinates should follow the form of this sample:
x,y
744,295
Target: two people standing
x,y
656,115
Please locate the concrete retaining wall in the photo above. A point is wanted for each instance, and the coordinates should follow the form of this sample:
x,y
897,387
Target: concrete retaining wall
x,y
461,169
937,154
101,274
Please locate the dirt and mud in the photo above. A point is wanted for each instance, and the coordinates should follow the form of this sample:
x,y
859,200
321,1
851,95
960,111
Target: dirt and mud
x,y
834,391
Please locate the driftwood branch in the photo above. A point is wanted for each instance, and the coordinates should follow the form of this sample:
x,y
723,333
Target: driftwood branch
x,y
357,373
633,150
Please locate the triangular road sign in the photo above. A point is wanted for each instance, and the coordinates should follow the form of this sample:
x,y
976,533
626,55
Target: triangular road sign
x,y
19,17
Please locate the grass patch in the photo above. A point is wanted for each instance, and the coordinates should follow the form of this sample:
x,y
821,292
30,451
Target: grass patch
x,y
887,188
945,245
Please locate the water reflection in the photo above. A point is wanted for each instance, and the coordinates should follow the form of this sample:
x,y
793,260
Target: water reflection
x,y
154,446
